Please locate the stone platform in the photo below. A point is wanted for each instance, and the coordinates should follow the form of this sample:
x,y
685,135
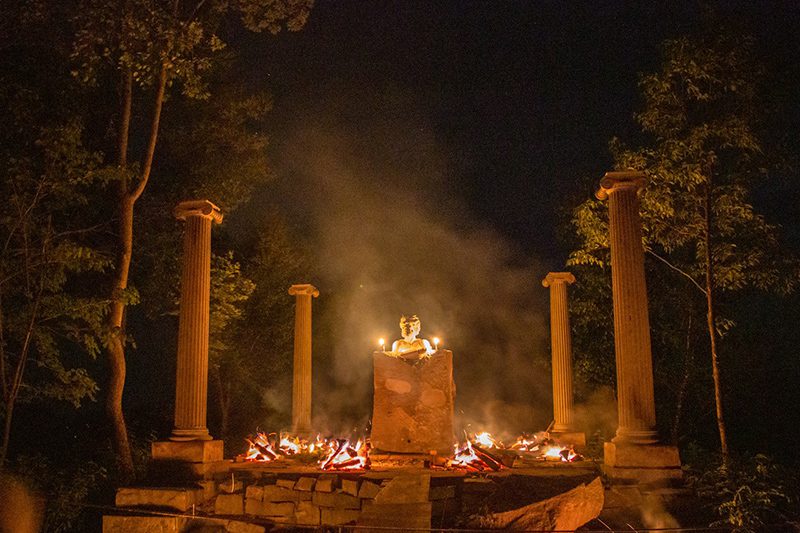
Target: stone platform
x,y
249,496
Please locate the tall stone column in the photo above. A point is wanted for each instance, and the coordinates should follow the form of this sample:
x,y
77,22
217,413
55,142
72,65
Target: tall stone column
x,y
301,385
634,453
561,350
636,405
192,369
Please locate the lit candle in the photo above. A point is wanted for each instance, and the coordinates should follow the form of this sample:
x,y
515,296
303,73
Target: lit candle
x,y
436,343
383,344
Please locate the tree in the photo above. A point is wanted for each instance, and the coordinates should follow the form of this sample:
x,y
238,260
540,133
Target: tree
x,y
44,317
703,159
142,49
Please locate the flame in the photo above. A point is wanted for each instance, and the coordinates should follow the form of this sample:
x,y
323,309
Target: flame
x,y
485,440
260,449
344,456
526,444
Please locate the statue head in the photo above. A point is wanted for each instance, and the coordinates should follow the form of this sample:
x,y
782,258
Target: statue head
x,y
409,327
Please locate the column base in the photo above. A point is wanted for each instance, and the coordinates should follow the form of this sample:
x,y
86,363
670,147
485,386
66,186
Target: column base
x,y
183,435
193,451
575,438
635,436
649,464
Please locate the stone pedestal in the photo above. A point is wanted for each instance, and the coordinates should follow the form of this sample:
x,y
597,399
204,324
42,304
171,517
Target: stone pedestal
x,y
561,349
413,404
301,384
191,387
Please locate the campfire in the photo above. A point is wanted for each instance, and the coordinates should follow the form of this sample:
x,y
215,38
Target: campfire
x,y
481,452
344,456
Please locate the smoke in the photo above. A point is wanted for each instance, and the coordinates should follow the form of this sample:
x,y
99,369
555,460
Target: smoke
x,y
375,189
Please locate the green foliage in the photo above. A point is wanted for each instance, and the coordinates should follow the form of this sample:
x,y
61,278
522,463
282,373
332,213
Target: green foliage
x,y
749,495
144,36
44,251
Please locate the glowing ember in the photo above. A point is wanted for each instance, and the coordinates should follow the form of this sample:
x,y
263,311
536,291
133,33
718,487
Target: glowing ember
x,y
561,453
343,456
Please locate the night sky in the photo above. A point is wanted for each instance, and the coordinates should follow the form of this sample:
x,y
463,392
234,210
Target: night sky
x,y
520,98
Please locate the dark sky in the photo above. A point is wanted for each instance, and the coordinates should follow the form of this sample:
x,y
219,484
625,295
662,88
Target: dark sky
x,y
520,98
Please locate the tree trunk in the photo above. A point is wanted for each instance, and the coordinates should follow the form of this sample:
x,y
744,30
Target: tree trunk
x,y
712,331
126,200
116,345
687,366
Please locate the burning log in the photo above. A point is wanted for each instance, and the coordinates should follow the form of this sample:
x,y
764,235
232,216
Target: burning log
x,y
491,461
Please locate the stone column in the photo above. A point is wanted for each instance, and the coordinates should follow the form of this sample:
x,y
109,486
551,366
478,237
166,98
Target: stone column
x,y
561,348
301,385
192,369
636,406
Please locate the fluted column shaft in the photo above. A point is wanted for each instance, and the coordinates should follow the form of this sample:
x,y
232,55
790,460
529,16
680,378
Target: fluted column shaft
x,y
635,398
301,384
191,385
561,350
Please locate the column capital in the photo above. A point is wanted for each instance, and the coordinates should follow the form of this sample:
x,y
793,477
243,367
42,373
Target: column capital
x,y
620,180
304,288
553,278
198,208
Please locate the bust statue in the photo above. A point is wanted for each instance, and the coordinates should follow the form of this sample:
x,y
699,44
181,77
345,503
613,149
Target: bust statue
x,y
410,347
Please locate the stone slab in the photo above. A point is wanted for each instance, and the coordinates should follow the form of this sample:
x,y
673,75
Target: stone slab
x,y
307,514
326,483
193,451
396,515
232,504
338,517
274,493
178,498
405,489
442,492
647,477
413,404
286,483
278,511
368,490
141,524
339,500
350,486
641,455
305,484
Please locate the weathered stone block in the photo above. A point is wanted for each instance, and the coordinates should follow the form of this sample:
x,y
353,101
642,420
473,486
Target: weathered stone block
x,y
144,524
180,499
285,483
193,451
336,499
254,492
305,484
368,490
229,504
338,517
233,526
396,515
307,514
566,512
350,486
274,493
278,511
229,486
413,404
405,489
641,455
327,482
